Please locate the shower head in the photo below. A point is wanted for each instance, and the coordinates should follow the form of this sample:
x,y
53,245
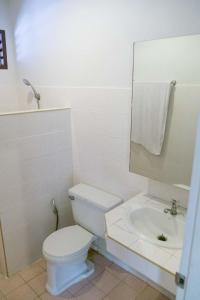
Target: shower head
x,y
26,82
36,94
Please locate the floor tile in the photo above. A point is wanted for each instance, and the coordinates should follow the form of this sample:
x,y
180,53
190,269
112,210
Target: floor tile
x,y
38,283
77,286
64,296
106,282
122,291
98,270
90,292
41,263
150,293
31,272
7,285
23,292
2,297
117,271
135,283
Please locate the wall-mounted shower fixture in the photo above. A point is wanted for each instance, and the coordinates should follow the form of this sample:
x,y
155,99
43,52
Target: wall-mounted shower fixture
x,y
55,211
36,94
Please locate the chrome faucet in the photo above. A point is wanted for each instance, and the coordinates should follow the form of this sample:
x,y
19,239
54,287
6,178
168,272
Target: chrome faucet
x,y
173,209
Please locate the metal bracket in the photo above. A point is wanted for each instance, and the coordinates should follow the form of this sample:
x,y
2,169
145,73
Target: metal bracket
x,y
180,280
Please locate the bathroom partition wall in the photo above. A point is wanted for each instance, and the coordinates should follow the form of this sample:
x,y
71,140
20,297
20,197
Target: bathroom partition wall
x,y
36,166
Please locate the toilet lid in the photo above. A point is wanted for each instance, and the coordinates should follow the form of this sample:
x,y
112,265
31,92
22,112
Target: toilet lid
x,y
67,241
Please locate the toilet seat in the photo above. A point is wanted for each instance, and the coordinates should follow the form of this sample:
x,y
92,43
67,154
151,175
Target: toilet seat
x,y
67,243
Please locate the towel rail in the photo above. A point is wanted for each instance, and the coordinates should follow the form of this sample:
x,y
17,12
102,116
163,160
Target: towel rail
x,y
173,82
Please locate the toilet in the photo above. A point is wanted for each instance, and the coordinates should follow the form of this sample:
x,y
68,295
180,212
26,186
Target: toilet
x,y
66,249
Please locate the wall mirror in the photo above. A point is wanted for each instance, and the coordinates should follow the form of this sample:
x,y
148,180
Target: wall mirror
x,y
165,108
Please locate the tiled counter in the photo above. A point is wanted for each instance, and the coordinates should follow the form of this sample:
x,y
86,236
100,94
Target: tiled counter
x,y
159,264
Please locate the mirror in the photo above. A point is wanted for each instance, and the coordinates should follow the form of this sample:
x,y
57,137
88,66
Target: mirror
x,y
165,108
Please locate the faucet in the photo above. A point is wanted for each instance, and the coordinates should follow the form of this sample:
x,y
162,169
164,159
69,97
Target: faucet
x,y
36,94
173,209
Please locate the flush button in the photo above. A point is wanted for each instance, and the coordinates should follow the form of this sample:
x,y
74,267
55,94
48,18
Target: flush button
x,y
71,197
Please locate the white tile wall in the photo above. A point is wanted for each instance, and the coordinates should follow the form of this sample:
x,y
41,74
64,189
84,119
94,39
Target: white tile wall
x,y
101,122
51,96
100,137
36,166
101,130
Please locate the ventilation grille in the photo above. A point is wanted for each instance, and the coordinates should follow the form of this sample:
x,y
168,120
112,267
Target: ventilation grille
x,y
3,54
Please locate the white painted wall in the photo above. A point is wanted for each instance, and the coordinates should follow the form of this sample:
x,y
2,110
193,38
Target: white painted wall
x,y
87,45
36,166
8,91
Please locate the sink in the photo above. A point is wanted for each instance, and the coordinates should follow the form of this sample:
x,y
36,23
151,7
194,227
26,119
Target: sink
x,y
155,226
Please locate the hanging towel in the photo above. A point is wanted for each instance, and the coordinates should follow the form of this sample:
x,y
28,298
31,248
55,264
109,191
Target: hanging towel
x,y
149,114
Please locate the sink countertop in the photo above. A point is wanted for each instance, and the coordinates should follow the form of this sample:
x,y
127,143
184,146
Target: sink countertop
x,y
117,229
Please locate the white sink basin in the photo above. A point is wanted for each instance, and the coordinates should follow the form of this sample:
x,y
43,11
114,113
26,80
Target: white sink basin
x,y
153,224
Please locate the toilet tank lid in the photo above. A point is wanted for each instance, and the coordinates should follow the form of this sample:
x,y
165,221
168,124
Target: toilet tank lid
x,y
96,197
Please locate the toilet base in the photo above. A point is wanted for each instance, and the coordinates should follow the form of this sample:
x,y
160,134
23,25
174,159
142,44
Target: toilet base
x,y
81,276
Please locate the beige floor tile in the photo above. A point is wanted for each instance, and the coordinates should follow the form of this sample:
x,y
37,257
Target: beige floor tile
x,y
117,271
105,282
150,293
2,297
101,260
77,286
31,272
41,263
38,283
64,296
90,292
122,291
135,283
23,292
7,285
97,271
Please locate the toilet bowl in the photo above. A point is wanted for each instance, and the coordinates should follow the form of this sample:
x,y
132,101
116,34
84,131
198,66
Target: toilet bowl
x,y
66,249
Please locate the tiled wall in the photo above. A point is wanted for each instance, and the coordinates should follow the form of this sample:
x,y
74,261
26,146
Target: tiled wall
x,y
101,134
36,166
101,124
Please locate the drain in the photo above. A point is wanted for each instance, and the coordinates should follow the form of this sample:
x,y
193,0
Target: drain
x,y
162,238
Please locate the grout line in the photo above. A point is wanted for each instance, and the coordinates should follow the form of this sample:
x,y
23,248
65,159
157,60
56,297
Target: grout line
x,y
5,295
37,295
107,294
26,281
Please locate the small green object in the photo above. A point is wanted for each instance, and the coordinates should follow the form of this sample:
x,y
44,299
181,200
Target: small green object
x,y
162,238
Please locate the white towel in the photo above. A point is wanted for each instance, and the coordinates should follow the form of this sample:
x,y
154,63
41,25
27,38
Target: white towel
x,y
149,114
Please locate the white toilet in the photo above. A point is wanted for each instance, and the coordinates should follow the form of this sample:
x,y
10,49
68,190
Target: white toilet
x,y
66,249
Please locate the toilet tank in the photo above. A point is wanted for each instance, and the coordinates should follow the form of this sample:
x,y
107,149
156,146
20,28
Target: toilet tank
x,y
89,206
